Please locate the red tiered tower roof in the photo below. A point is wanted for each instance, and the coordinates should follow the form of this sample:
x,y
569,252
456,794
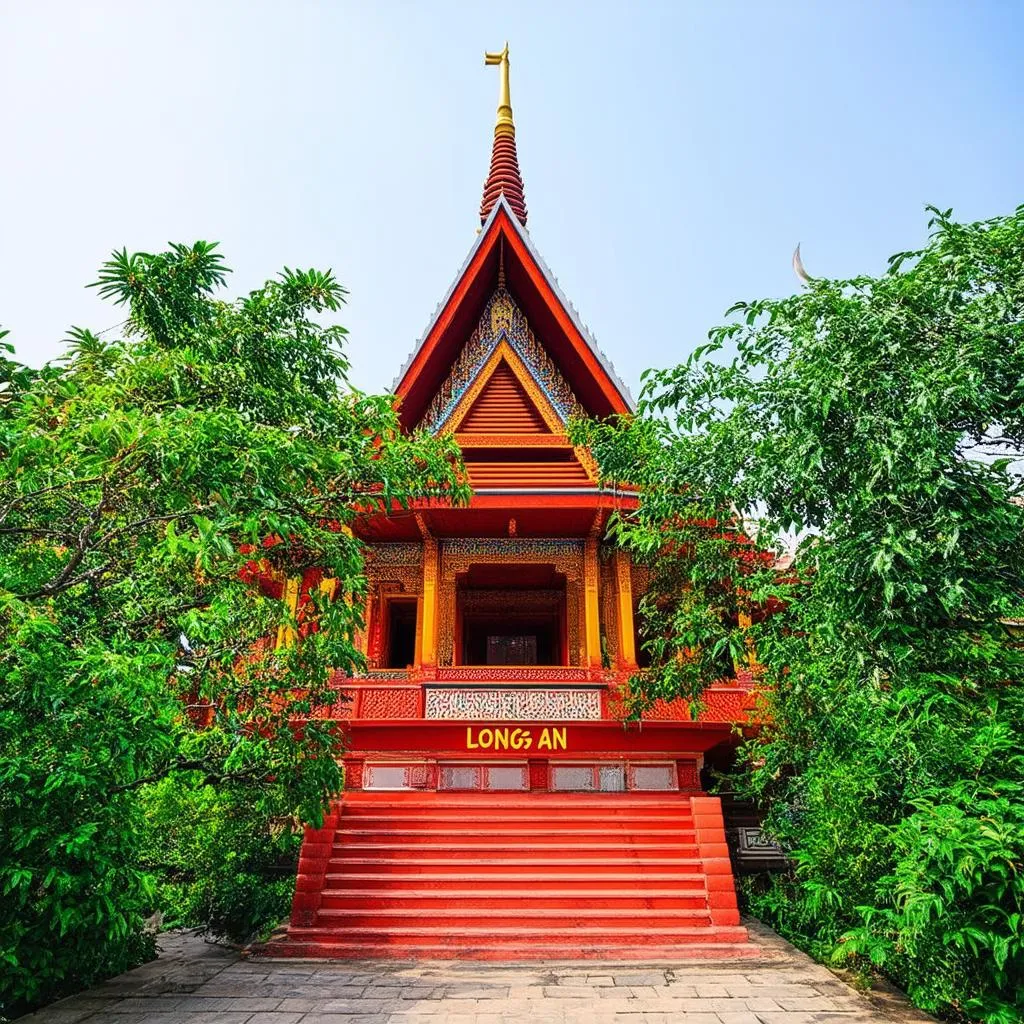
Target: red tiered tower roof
x,y
504,177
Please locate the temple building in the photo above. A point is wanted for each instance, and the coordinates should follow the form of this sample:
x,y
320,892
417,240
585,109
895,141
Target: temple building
x,y
496,803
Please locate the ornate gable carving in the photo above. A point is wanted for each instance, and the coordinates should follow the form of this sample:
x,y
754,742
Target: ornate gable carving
x,y
501,320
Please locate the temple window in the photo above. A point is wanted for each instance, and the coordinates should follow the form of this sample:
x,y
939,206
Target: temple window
x,y
401,633
511,615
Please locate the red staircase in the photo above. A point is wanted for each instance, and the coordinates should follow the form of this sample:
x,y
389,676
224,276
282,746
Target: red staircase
x,y
503,876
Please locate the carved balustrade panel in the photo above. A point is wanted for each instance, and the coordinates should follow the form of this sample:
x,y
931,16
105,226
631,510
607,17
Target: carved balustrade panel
x,y
535,705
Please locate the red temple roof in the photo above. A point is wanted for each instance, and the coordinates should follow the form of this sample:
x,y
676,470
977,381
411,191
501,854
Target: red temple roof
x,y
503,244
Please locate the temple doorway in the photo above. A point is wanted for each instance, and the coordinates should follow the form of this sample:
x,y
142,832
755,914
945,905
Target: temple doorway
x,y
511,615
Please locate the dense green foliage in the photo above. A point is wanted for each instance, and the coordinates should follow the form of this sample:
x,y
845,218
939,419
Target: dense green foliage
x,y
874,420
135,482
217,858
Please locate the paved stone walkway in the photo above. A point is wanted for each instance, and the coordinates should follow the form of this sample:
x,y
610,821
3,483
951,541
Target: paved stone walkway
x,y
197,983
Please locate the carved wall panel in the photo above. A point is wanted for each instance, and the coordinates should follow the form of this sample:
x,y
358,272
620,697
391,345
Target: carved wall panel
x,y
510,602
640,580
446,623
652,777
591,609
721,704
573,613
390,702
500,321
513,674
609,610
404,579
688,775
406,553
459,554
513,705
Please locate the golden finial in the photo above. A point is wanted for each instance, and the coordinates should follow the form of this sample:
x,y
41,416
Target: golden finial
x,y
505,125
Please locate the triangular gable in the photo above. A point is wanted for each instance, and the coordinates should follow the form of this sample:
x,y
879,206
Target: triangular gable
x,y
503,400
502,333
567,344
503,408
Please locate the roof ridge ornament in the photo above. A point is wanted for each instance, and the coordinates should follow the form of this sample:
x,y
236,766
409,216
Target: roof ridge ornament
x,y
504,177
504,125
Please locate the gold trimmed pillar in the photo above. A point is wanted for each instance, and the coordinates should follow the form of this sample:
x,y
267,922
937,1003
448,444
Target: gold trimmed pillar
x,y
750,661
286,635
363,635
591,616
427,647
624,595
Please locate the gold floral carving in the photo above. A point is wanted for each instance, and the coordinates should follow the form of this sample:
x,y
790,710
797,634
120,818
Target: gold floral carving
x,y
511,602
501,313
566,556
407,578
609,614
624,598
500,321
591,615
577,652
446,623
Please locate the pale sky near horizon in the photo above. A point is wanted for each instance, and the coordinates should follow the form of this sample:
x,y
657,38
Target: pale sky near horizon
x,y
673,153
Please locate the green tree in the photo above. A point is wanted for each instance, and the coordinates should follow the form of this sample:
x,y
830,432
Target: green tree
x,y
876,420
145,487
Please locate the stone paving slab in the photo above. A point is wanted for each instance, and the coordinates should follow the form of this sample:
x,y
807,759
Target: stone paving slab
x,y
194,982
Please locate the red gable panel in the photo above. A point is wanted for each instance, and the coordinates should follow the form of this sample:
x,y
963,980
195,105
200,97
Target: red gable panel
x,y
552,320
503,408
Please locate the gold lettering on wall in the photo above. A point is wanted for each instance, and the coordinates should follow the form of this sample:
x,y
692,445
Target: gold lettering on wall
x,y
500,737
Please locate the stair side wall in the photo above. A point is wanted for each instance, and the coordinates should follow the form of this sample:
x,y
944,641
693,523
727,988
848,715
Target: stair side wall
x,y
714,854
314,855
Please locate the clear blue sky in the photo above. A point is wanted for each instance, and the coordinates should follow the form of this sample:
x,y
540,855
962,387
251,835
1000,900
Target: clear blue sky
x,y
673,153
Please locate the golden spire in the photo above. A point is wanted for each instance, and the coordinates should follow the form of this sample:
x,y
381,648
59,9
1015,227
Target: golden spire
x,y
504,178
505,125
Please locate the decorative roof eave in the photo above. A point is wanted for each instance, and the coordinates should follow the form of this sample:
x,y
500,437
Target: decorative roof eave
x,y
511,223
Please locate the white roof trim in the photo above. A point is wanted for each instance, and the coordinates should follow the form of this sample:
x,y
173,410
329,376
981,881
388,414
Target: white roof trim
x,y
552,283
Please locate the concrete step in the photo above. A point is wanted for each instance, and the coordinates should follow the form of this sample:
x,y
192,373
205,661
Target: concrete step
x,y
492,935
640,863
486,883
399,822
505,848
499,876
568,917
723,951
523,898
562,833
